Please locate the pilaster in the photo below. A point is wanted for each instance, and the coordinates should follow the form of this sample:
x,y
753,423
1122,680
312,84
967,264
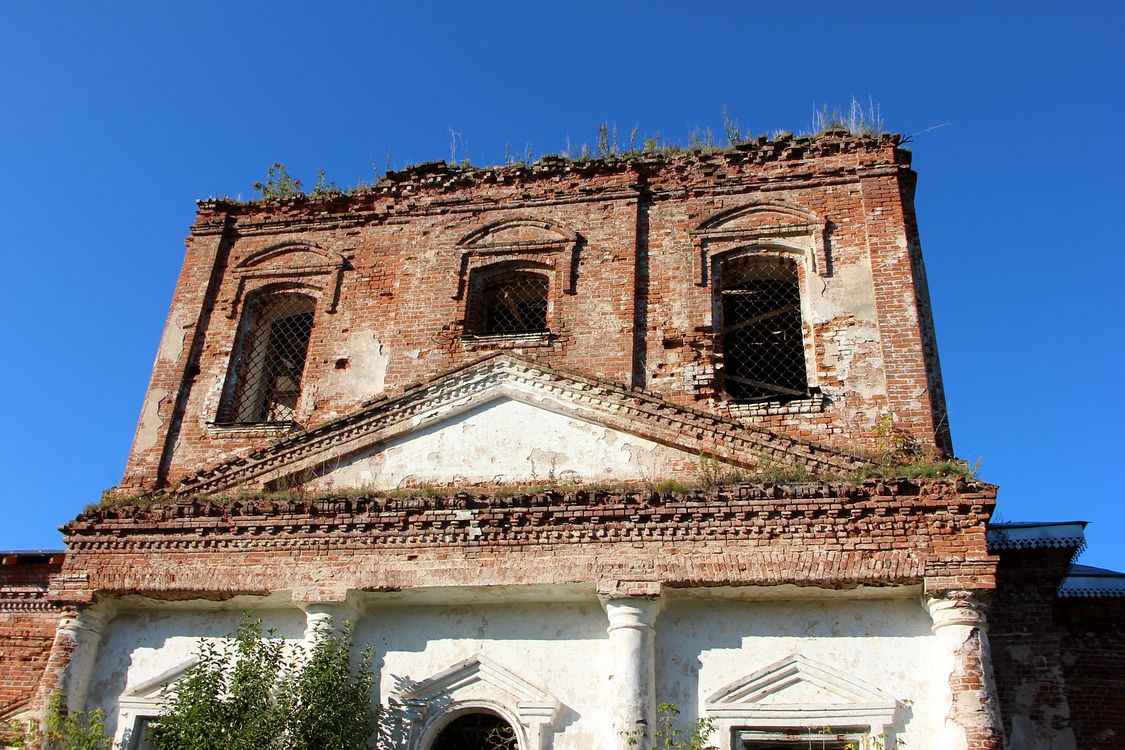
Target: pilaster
x,y
973,716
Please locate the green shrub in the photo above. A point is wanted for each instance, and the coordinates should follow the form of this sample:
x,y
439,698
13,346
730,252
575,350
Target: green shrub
x,y
245,695
65,730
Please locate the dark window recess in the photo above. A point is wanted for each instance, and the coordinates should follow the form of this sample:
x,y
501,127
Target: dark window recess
x,y
270,360
478,731
763,351
511,303
799,744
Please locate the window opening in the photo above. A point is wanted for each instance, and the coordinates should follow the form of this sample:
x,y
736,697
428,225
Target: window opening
x,y
477,731
511,303
824,738
140,737
762,344
270,360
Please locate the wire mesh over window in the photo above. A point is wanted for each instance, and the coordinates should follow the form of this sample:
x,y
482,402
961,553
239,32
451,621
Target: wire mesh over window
x,y
514,302
477,731
270,360
760,337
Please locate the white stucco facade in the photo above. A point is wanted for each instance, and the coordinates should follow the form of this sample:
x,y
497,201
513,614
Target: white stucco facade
x,y
544,660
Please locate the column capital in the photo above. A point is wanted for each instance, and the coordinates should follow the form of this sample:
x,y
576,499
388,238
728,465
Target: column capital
x,y
951,608
639,614
329,614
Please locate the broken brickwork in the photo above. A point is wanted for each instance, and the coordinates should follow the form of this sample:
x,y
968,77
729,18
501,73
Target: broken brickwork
x,y
628,249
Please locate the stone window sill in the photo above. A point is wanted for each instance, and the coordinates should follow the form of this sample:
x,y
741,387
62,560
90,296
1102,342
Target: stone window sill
x,y
535,339
814,404
250,429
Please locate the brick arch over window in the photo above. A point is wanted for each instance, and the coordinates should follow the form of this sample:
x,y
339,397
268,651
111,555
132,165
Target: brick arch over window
x,y
268,363
534,241
290,262
773,223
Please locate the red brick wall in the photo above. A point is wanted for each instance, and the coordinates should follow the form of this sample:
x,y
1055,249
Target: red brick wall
x,y
27,628
637,312
1059,663
1093,651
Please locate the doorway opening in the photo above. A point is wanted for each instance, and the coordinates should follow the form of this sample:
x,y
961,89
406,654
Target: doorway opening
x,y
477,731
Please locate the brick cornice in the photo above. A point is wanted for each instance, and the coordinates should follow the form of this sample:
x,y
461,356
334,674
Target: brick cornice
x,y
438,188
829,535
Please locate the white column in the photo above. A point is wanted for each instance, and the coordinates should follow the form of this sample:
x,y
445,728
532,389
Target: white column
x,y
972,716
632,676
77,639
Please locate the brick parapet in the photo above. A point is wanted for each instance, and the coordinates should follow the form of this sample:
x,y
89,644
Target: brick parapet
x,y
830,535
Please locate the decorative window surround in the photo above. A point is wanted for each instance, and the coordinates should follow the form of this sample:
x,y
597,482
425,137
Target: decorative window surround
x,y
475,683
534,340
145,701
534,240
778,225
748,709
299,264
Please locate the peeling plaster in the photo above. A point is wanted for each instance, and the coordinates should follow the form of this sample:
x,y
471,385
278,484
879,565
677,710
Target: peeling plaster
x,y
172,345
367,366
148,432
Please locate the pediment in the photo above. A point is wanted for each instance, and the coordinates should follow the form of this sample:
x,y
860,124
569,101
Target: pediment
x,y
531,401
773,224
800,686
153,690
510,438
470,678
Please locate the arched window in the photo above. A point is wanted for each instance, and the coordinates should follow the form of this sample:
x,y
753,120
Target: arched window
x,y
265,375
512,301
759,330
476,731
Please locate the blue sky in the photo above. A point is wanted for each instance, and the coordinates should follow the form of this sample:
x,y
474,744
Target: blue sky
x,y
117,116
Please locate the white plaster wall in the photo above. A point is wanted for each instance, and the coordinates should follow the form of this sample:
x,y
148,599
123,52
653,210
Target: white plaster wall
x,y
505,441
138,646
704,645
559,647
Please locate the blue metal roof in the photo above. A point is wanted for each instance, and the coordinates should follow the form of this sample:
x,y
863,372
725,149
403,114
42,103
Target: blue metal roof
x,y
1089,582
1037,535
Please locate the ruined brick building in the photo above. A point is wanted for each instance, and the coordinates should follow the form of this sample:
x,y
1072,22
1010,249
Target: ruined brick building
x,y
568,440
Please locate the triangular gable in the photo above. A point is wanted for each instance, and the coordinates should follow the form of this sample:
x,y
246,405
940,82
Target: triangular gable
x,y
594,400
510,438
154,690
843,699
478,669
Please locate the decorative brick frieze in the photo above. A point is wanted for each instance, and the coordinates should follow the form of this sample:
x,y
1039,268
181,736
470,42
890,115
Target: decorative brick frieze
x,y
829,535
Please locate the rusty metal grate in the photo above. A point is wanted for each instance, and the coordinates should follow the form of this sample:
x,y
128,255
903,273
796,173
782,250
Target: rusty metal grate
x,y
270,360
760,338
477,731
514,302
